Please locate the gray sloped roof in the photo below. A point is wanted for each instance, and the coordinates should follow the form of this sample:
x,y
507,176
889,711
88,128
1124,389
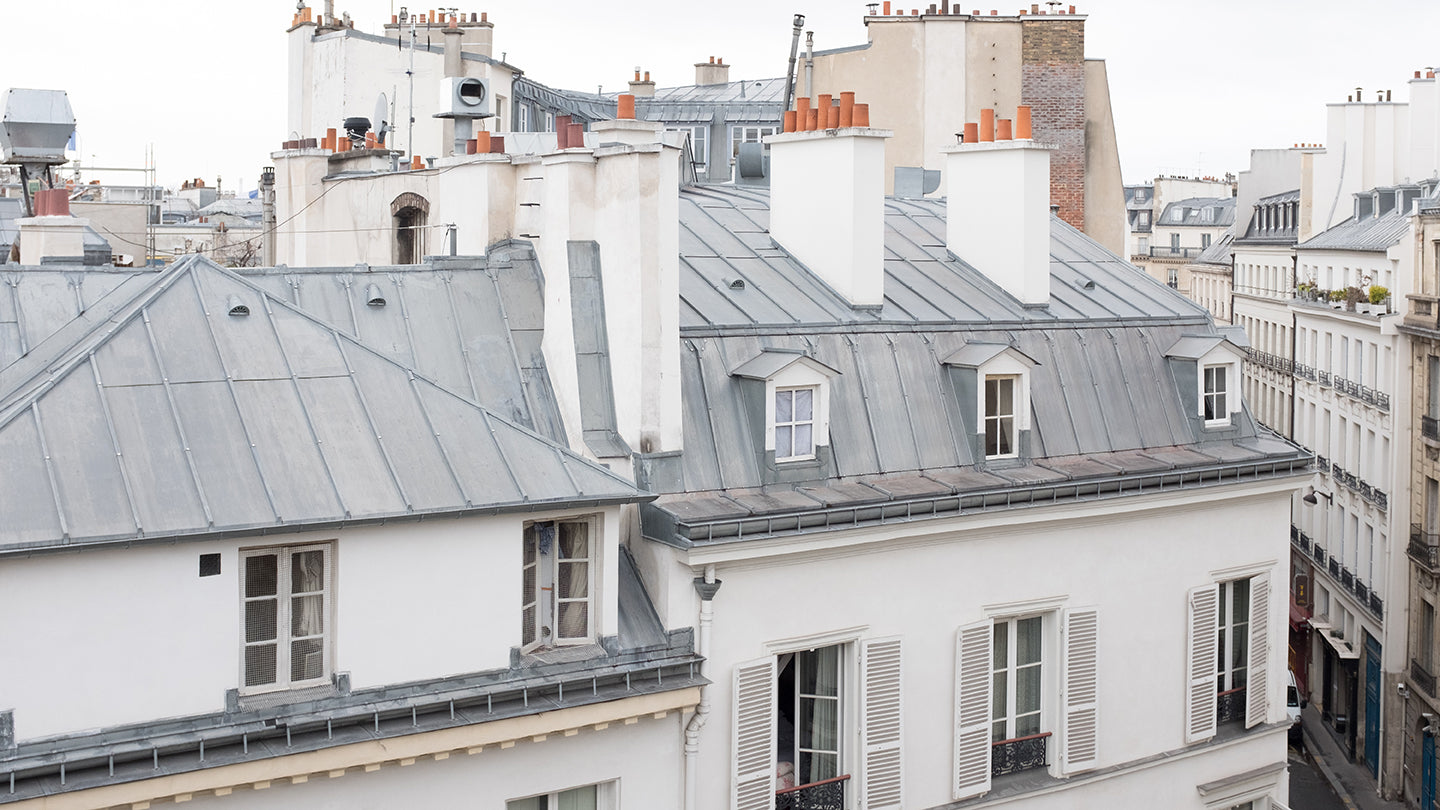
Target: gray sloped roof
x,y
1222,213
170,417
724,237
1372,234
1221,250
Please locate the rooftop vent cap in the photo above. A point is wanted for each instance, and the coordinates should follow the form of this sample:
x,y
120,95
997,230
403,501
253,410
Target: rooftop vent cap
x,y
235,307
737,284
373,298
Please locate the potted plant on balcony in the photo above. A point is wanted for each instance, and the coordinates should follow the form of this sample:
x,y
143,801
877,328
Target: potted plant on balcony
x,y
1353,296
1337,299
1380,297
1305,291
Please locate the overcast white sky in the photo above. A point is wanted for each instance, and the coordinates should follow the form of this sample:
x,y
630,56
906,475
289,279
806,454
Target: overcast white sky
x,y
1194,85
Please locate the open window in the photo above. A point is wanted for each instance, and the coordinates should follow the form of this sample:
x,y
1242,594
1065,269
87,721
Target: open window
x,y
410,213
796,403
1229,655
558,583
993,388
286,599
820,727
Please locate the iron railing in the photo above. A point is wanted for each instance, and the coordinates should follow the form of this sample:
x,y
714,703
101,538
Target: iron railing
x,y
1334,568
1324,377
1165,251
1230,705
1422,677
1019,754
1430,427
1362,592
1347,579
1322,464
1377,605
1424,547
1319,554
827,794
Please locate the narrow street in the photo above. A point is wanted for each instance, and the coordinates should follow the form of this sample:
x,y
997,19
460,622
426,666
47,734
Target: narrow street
x,y
1308,788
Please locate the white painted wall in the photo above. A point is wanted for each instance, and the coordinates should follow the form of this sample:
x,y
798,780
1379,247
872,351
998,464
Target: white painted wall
x,y
1002,187
925,580
643,760
128,636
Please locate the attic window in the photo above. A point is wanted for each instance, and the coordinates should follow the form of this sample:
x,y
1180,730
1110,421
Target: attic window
x,y
1000,415
1215,395
795,423
797,403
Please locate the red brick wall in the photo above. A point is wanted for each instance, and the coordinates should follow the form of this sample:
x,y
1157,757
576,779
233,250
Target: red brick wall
x,y
1052,82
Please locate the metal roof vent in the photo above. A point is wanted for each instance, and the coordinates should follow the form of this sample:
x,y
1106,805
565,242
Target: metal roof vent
x,y
737,284
236,307
1087,283
373,298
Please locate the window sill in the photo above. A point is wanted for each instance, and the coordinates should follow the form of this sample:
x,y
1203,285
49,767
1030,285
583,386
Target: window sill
x,y
238,701
568,654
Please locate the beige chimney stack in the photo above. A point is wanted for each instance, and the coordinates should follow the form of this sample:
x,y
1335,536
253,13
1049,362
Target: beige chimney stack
x,y
713,72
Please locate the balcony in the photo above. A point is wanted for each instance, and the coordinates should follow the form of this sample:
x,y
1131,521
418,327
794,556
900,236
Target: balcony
x,y
1230,705
1424,547
1322,464
1167,252
1347,579
1319,554
1019,754
1377,605
1430,428
1362,592
1422,677
828,794
1323,377
1334,568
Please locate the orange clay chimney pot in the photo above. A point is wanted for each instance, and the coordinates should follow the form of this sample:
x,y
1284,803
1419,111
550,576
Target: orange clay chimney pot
x,y
832,120
789,120
802,112
862,115
1022,122
812,120
847,109
987,125
972,132
625,107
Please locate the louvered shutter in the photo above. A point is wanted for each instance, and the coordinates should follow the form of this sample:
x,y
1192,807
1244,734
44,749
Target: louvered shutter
x,y
1200,664
880,719
754,727
973,650
1082,716
1257,691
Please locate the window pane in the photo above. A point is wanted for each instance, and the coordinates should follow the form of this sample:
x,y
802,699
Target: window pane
x,y
585,798
1005,396
574,580
1027,641
1002,636
534,803
527,587
527,625
1237,654
820,671
307,659
307,571
574,620
260,576
574,541
1027,725
819,726
1027,690
260,620
307,615
260,665
783,446
1242,600
816,767
532,546
803,445
991,395
1000,697
1004,436
804,405
784,409
992,437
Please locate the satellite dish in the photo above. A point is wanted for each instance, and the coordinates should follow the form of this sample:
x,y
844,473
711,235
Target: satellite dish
x,y
382,119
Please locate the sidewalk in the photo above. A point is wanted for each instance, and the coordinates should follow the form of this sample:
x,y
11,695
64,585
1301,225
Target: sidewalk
x,y
1350,780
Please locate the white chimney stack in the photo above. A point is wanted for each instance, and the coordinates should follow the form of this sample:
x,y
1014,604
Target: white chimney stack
x,y
997,213
827,206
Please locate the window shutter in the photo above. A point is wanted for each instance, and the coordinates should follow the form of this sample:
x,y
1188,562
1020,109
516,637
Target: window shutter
x,y
973,650
880,723
1257,691
1201,663
1082,717
754,725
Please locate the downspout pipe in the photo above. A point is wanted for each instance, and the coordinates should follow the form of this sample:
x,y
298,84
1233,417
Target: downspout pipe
x,y
707,586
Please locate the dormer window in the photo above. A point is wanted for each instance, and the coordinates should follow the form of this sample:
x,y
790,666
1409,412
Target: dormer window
x,y
1211,364
797,403
795,423
1000,416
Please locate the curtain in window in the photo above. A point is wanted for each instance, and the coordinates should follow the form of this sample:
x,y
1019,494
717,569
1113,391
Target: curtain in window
x,y
585,798
819,721
307,615
572,589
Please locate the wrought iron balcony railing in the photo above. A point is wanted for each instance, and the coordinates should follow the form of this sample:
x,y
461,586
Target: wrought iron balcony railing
x,y
1347,579
1362,592
828,794
1422,678
1424,547
1377,605
1324,377
1322,464
1305,542
1019,754
1334,568
1430,428
1319,554
1230,705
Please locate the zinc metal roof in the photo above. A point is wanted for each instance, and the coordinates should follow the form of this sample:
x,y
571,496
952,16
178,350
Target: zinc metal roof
x,y
1371,234
167,416
724,238
1222,213
1221,250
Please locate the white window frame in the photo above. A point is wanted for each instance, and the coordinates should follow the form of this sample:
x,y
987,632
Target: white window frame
x,y
284,637
1009,670
1219,394
547,566
549,121
607,796
1232,637
802,373
794,452
1000,418
524,117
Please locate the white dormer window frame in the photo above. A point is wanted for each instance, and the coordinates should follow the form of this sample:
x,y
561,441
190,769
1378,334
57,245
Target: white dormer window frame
x,y
1005,374
795,382
794,430
1217,379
